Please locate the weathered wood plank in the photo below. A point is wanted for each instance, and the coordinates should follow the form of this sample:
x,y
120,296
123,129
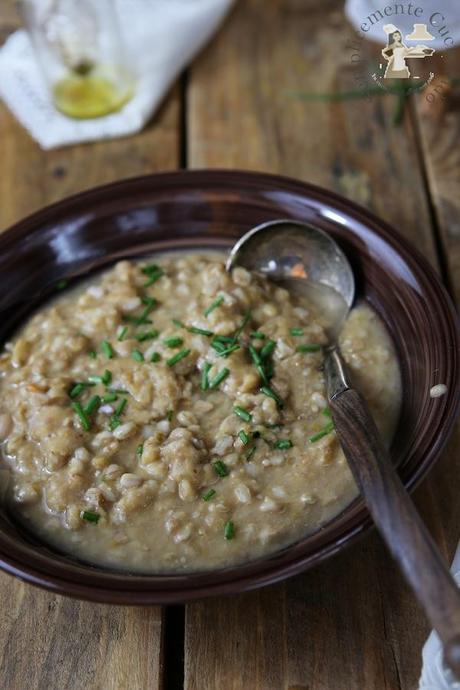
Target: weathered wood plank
x,y
48,642
352,622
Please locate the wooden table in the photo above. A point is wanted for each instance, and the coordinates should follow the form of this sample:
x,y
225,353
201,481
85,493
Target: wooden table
x,y
350,624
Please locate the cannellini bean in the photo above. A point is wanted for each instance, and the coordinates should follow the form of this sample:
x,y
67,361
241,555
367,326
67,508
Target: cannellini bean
x,y
268,504
186,490
124,431
242,493
183,534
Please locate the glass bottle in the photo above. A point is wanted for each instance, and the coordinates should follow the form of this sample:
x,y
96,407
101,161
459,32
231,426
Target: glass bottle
x,y
80,50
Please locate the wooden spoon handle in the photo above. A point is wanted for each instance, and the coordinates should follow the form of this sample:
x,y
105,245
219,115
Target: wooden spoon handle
x,y
398,521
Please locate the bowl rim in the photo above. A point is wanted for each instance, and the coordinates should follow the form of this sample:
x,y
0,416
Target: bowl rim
x,y
37,568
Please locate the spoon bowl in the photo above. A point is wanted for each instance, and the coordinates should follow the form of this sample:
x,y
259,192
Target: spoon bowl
x,y
305,260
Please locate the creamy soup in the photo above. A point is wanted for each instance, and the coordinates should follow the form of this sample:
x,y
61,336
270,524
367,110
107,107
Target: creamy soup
x,y
170,416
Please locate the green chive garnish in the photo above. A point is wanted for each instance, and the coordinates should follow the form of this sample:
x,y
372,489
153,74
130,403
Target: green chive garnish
x,y
283,444
242,325
255,355
92,354
89,516
122,333
324,432
243,413
140,450
85,422
106,377
274,426
200,331
221,376
150,303
229,350
107,349
119,391
327,412
208,495
220,468
109,397
121,407
204,376
137,356
296,331
244,438
267,349
257,335
77,390
308,348
93,403
270,393
250,453
170,415
153,273
229,530
148,335
174,341
178,323
155,357
217,302
177,358
115,420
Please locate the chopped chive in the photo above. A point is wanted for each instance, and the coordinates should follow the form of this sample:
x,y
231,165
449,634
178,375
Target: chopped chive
x,y
217,302
92,354
296,331
140,450
218,346
327,412
270,393
106,377
170,415
263,374
244,438
122,333
153,273
150,303
174,341
208,495
268,348
229,350
274,426
107,349
204,376
242,325
220,468
77,390
308,348
229,530
121,407
283,444
151,268
136,320
243,413
137,356
200,331
93,403
177,323
221,376
119,391
155,357
250,453
326,430
257,335
177,358
225,339
85,422
255,355
92,380
61,284
147,335
89,516
109,397
114,422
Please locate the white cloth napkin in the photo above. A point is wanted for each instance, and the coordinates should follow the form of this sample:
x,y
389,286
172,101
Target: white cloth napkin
x,y
162,36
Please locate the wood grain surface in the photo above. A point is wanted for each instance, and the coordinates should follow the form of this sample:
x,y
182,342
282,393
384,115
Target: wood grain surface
x,y
351,624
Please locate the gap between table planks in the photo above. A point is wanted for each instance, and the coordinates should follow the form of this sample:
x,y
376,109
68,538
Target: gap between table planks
x,y
352,623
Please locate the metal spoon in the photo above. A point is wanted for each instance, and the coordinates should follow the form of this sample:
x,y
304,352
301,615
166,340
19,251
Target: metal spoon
x,y
310,262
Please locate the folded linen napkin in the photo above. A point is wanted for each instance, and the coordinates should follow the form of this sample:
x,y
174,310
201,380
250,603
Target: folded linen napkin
x,y
161,36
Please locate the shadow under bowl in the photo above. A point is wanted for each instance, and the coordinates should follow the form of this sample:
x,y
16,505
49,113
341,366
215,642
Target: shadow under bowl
x,y
211,209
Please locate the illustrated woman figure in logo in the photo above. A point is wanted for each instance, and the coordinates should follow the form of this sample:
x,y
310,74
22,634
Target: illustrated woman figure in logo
x,y
396,52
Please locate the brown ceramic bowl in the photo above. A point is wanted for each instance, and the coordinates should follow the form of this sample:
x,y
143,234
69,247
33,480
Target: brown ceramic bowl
x,y
212,209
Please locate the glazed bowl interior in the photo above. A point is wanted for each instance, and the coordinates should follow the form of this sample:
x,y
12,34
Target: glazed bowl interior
x,y
210,210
